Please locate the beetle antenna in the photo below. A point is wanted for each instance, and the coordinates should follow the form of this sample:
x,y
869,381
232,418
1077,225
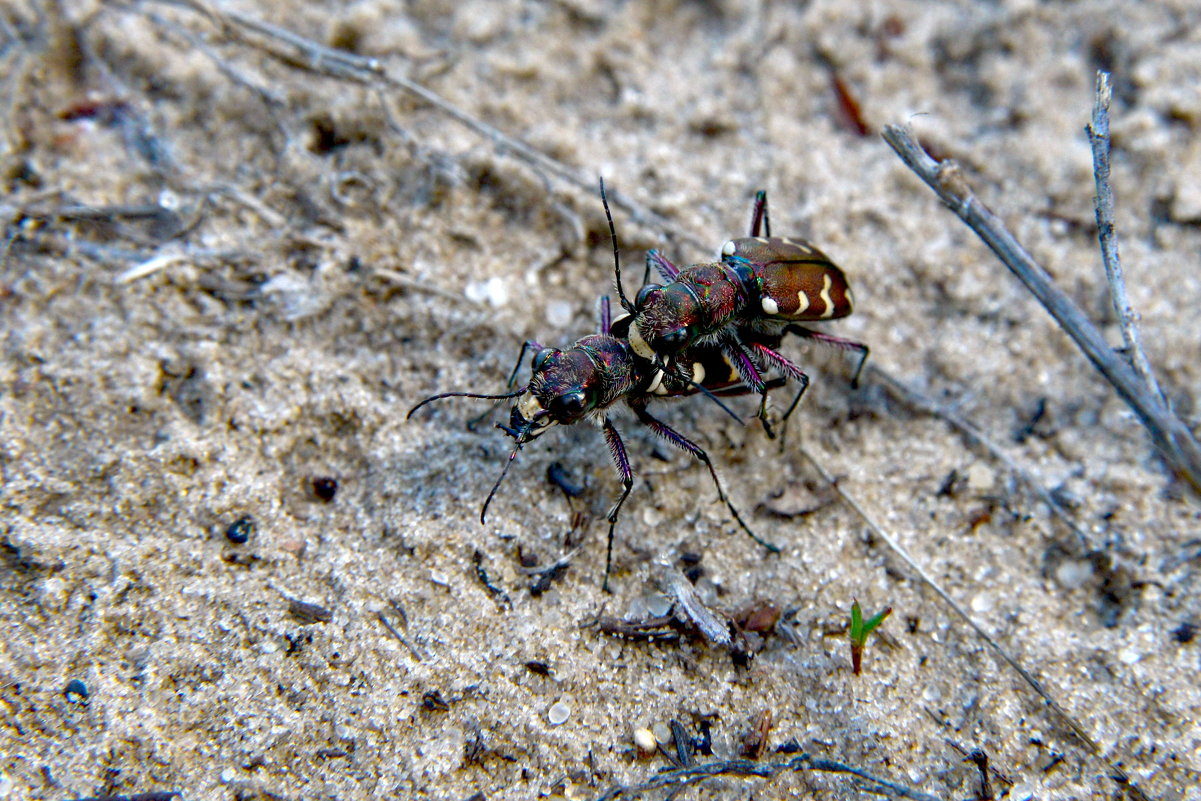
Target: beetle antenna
x,y
496,486
432,398
621,293
520,436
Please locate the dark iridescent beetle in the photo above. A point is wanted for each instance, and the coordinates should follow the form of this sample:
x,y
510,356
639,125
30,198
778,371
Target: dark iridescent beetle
x,y
598,371
759,290
595,373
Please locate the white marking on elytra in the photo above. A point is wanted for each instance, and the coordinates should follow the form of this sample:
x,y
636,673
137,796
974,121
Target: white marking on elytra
x,y
825,296
770,306
728,248
802,302
698,373
762,240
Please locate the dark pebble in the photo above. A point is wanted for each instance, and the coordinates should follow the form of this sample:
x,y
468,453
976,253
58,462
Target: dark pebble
x,y
240,530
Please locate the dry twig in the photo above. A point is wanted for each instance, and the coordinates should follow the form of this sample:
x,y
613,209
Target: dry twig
x,y
681,778
1098,137
1167,431
303,53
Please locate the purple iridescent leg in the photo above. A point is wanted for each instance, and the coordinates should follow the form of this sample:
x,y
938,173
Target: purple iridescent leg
x,y
736,352
759,214
683,443
617,450
774,359
833,341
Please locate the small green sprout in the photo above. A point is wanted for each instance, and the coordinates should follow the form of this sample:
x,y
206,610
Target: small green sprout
x,y
859,631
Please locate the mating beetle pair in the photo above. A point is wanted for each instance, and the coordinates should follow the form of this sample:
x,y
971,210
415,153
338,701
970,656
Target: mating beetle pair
x,y
712,329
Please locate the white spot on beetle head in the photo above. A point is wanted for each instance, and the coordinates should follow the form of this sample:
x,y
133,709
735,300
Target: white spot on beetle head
x,y
639,344
529,405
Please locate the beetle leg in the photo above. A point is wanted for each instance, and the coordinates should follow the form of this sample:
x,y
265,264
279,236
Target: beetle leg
x,y
683,443
664,267
737,354
759,214
790,370
836,342
617,450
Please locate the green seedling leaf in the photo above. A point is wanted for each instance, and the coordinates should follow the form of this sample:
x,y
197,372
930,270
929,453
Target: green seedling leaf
x,y
870,625
860,630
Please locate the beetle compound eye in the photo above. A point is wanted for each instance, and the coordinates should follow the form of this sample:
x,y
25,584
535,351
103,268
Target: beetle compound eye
x,y
675,340
640,300
540,358
567,406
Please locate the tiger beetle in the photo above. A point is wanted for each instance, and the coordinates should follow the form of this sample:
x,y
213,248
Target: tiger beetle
x,y
585,380
744,304
595,373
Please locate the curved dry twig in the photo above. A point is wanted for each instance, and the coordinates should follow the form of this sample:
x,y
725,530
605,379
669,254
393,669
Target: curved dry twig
x,y
681,778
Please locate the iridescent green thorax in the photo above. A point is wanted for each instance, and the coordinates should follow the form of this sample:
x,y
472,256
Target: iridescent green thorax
x,y
702,300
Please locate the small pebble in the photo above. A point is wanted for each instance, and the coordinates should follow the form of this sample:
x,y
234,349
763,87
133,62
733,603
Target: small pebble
x,y
240,530
1073,574
558,713
227,775
76,692
495,290
662,733
306,613
325,488
644,740
980,477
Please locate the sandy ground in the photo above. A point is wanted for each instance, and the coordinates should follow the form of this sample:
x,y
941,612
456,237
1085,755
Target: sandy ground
x,y
300,257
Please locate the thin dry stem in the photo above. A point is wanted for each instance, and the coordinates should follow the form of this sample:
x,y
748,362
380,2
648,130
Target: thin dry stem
x,y
306,54
1107,236
1171,435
